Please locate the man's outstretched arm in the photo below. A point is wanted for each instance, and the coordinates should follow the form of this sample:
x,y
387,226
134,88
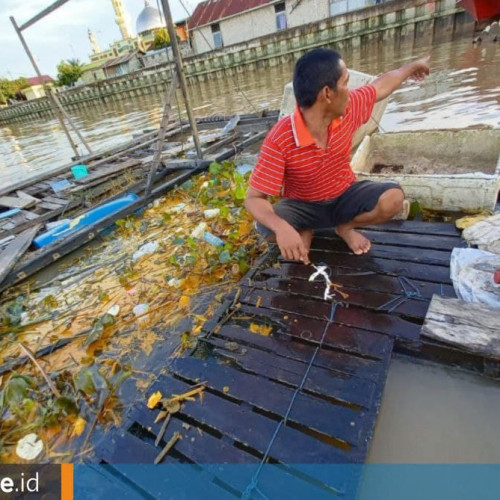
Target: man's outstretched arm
x,y
288,239
387,83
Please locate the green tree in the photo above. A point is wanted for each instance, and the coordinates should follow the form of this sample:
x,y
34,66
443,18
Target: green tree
x,y
68,72
162,39
6,90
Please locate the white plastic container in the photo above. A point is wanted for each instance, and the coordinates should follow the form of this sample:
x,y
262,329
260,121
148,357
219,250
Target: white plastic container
x,y
455,170
356,79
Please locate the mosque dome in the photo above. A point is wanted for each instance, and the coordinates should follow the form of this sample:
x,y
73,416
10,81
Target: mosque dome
x,y
149,19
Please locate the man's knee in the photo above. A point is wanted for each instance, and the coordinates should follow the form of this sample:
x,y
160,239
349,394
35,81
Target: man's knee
x,y
391,203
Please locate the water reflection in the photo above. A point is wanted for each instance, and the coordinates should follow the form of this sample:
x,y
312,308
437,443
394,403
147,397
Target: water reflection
x,y
462,91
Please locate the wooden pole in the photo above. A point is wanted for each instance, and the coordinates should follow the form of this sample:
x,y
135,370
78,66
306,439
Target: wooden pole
x,y
180,74
59,111
45,87
161,132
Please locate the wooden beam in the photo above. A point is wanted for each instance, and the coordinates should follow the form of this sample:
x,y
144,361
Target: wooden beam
x,y
42,14
469,326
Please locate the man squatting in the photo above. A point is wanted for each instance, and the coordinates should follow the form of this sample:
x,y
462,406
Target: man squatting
x,y
305,159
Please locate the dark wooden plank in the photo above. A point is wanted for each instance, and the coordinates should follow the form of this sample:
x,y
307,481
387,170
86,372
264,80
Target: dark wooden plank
x,y
228,464
427,256
380,322
430,241
340,337
289,348
340,388
411,307
15,250
254,430
412,270
417,227
181,481
339,422
365,280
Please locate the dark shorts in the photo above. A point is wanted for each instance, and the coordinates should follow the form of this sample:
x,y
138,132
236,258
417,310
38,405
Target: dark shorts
x,y
360,197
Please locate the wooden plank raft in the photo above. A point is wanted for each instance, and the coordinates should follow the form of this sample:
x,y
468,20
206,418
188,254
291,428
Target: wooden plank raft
x,y
279,352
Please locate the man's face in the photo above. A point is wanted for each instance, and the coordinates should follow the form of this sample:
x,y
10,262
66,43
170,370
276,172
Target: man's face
x,y
339,97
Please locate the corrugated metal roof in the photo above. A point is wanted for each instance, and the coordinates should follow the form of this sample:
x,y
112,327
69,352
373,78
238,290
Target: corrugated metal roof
x,y
119,60
213,10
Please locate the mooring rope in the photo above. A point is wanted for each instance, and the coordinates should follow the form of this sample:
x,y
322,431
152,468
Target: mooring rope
x,y
253,484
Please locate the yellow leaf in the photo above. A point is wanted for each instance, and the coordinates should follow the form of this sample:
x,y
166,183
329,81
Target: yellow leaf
x,y
184,302
79,426
225,389
261,329
197,330
154,399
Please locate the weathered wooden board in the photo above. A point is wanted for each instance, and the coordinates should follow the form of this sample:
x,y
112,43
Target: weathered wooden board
x,y
15,250
13,202
49,206
26,196
472,327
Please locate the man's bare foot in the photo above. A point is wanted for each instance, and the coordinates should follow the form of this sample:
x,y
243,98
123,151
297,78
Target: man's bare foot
x,y
358,243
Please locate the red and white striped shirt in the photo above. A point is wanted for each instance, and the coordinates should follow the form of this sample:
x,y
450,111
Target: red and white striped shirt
x,y
292,165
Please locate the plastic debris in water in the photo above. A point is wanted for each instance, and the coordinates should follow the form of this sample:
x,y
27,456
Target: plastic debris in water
x,y
114,310
211,213
321,271
29,447
199,230
213,240
140,311
146,249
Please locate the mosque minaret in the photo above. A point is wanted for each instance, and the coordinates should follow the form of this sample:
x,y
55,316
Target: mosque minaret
x,y
122,19
93,43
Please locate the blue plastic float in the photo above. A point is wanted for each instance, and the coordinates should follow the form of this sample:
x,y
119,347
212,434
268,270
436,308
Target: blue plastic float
x,y
83,220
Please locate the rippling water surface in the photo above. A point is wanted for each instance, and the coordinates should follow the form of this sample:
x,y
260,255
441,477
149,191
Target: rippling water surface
x,y
463,90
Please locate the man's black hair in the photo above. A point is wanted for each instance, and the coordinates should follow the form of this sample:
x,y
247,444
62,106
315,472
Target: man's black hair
x,y
313,71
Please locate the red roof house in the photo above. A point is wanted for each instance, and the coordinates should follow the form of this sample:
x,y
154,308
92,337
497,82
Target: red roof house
x,y
212,11
35,80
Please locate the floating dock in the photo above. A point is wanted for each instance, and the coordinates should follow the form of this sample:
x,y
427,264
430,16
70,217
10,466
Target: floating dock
x,y
291,379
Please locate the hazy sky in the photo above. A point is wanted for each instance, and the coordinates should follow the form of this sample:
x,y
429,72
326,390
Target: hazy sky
x,y
63,33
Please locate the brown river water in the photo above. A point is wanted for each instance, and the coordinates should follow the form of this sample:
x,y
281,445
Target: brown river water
x,y
429,413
